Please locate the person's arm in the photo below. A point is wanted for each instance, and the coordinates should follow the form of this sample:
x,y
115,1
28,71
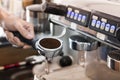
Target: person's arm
x,y
11,23
3,13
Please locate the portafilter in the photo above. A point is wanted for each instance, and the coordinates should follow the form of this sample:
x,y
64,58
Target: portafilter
x,y
46,46
80,43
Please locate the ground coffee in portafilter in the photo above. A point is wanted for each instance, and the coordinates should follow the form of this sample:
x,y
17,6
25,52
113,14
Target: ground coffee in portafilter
x,y
50,43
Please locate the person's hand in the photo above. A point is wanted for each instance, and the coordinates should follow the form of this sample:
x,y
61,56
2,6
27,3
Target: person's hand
x,y
26,29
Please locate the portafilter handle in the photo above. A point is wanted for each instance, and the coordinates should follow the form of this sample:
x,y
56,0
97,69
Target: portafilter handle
x,y
30,42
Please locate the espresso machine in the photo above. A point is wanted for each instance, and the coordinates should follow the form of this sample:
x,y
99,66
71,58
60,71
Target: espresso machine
x,y
96,23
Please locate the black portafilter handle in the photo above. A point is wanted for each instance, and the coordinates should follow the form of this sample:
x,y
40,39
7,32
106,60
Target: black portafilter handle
x,y
56,9
30,42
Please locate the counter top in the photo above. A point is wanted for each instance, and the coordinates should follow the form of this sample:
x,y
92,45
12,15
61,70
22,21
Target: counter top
x,y
75,72
56,72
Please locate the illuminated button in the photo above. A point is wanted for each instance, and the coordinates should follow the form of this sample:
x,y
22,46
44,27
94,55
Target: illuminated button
x,y
98,24
72,15
107,27
69,12
104,20
112,29
76,14
94,17
93,22
79,17
83,19
102,26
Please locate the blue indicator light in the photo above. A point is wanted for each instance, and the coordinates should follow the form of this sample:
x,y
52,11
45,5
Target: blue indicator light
x,y
93,22
69,12
98,24
83,19
112,29
79,17
76,15
72,14
102,25
107,27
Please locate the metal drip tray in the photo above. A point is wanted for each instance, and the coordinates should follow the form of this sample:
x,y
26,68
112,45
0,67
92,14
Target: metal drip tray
x,y
20,73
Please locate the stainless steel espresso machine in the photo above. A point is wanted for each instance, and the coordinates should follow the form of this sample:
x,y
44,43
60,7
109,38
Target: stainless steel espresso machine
x,y
95,19
92,23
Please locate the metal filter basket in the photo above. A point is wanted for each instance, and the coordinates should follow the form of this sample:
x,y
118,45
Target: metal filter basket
x,y
49,46
79,43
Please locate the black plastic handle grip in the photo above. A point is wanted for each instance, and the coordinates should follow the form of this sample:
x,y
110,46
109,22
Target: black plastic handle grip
x,y
30,42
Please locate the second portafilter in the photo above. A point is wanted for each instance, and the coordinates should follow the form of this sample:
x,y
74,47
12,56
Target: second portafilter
x,y
83,45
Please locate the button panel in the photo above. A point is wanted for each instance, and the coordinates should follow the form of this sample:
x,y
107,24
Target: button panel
x,y
95,20
78,16
103,23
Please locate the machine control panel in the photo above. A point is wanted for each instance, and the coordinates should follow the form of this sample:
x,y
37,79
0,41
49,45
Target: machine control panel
x,y
78,16
104,23
98,21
